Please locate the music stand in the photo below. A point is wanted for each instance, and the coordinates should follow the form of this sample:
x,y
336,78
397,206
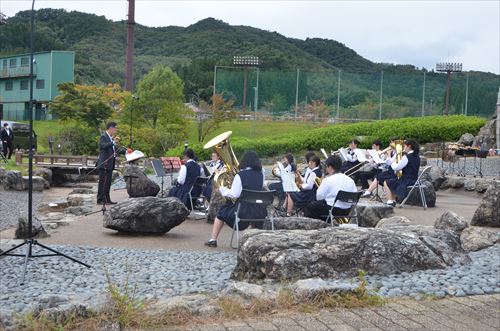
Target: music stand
x,y
159,172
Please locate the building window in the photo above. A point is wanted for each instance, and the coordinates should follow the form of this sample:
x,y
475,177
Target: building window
x,y
13,63
25,61
24,85
8,86
40,84
5,64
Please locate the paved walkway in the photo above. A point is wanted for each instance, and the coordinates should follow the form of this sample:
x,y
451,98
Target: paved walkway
x,y
467,313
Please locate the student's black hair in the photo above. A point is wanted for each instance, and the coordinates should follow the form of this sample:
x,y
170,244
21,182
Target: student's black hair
x,y
377,142
316,160
309,155
189,153
289,158
355,142
250,159
413,144
111,125
335,162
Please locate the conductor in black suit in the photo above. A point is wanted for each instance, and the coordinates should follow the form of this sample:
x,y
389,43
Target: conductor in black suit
x,y
7,137
106,164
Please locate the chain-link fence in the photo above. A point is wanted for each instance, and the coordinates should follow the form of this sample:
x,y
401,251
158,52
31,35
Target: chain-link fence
x,y
341,95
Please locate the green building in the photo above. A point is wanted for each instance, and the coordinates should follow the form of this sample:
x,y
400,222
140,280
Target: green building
x,y
49,70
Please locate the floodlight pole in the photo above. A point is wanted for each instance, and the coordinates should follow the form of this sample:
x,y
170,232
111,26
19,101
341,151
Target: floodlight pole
x,y
297,94
423,97
245,62
338,97
381,94
245,82
466,93
448,68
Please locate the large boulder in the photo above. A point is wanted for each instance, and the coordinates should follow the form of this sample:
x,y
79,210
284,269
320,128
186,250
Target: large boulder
x,y
436,176
453,182
45,173
37,229
429,192
475,238
488,212
138,184
393,221
486,136
147,215
13,181
340,252
467,139
297,223
3,175
451,221
370,212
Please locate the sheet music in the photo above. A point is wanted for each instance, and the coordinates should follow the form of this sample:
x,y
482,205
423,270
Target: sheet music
x,y
343,153
361,154
288,182
376,158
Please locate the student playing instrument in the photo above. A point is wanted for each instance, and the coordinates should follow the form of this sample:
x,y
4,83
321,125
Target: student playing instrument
x,y
215,165
386,173
308,189
372,169
188,173
409,164
250,178
352,159
289,167
334,182
308,157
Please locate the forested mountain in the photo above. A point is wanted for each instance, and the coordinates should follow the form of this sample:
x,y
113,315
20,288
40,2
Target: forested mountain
x,y
193,52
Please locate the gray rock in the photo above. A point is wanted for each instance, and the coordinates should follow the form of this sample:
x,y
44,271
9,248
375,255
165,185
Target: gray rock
x,y
371,212
3,175
476,238
146,215
436,176
193,303
76,199
453,182
13,181
486,136
488,211
450,220
310,288
138,184
45,173
429,192
393,221
482,184
336,252
470,184
37,229
249,291
467,139
39,184
296,223
423,161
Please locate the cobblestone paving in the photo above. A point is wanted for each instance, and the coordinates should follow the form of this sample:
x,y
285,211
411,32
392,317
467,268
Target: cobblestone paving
x,y
465,313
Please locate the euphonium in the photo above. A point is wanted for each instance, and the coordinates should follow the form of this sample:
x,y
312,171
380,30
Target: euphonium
x,y
397,145
222,147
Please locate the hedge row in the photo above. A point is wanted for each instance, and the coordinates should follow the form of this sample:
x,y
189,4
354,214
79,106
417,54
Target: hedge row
x,y
423,129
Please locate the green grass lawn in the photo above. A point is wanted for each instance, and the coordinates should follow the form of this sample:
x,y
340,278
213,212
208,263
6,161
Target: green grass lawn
x,y
243,129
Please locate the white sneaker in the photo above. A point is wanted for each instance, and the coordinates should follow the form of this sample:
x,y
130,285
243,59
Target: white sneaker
x,y
366,194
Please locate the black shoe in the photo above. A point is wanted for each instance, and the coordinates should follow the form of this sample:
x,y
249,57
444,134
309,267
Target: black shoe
x,y
211,243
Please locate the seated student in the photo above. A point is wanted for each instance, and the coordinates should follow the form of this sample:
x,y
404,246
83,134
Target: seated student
x,y
386,172
188,173
215,165
308,189
371,169
290,167
352,159
308,157
334,182
251,177
409,164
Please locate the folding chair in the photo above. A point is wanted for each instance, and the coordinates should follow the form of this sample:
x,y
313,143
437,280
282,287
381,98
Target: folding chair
x,y
347,197
418,185
264,198
200,182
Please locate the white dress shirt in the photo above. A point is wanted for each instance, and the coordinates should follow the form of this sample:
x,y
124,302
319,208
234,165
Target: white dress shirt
x,y
351,156
237,187
181,179
215,166
331,186
308,183
399,166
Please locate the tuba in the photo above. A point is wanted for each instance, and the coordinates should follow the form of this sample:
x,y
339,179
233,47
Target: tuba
x,y
222,147
397,145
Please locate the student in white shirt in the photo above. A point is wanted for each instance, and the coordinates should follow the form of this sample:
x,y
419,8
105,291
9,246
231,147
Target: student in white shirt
x,y
289,167
188,174
307,192
328,190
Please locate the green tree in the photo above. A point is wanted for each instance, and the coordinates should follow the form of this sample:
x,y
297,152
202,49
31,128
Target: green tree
x,y
214,115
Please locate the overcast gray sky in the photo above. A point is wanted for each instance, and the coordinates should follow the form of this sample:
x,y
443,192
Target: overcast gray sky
x,y
405,32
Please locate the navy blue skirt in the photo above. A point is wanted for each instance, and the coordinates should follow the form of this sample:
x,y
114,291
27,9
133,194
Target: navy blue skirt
x,y
400,186
303,197
227,214
385,175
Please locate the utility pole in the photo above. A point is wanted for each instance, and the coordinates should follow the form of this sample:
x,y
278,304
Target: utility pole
x,y
297,94
338,97
423,97
129,62
466,92
380,98
215,81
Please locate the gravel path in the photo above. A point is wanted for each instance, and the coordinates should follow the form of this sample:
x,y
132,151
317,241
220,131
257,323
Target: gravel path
x,y
12,203
167,273
490,166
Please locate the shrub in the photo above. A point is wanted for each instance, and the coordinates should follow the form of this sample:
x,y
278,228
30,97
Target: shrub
x,y
423,129
77,140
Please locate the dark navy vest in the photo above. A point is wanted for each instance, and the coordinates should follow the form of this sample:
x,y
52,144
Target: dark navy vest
x,y
410,171
251,179
192,172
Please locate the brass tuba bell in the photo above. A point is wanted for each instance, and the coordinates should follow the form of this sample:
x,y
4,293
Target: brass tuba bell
x,y
222,147
397,146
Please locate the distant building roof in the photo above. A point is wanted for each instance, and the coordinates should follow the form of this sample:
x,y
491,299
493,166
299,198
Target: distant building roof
x,y
37,53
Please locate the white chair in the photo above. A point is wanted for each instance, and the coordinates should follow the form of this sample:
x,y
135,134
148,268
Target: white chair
x,y
418,185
